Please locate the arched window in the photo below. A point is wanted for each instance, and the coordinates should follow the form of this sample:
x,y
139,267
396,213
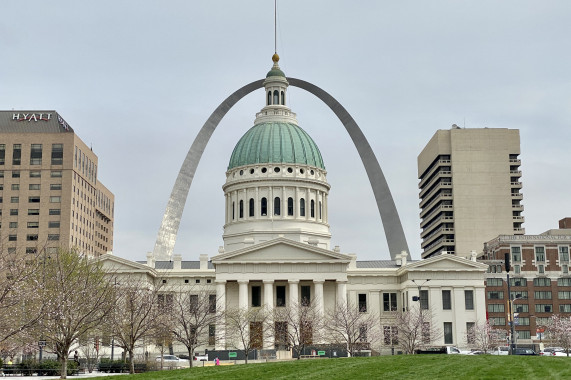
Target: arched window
x,y
233,211
276,97
241,209
269,98
320,210
283,98
264,210
277,204
302,207
312,208
290,206
251,206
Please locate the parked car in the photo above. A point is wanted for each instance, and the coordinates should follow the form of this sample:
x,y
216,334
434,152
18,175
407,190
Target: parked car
x,y
548,351
561,352
502,350
523,351
172,361
477,352
200,358
439,350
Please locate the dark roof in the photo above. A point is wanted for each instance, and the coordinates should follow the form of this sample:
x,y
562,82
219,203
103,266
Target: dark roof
x,y
33,122
184,264
379,264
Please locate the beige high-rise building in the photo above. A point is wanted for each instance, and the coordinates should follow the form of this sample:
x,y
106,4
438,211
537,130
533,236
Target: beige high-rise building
x,y
470,189
50,195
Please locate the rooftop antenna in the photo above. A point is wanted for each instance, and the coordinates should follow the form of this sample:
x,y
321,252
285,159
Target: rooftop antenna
x,y
275,26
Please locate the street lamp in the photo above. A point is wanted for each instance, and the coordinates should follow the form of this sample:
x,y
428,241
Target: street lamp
x,y
414,298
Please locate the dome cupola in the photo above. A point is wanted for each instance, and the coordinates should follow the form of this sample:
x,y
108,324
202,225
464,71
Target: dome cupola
x,y
276,182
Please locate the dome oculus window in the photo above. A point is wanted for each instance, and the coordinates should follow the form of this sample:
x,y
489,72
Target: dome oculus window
x,y
290,170
251,171
276,169
301,171
264,170
241,172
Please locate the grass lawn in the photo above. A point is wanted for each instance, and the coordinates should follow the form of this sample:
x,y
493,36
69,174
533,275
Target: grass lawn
x,y
385,367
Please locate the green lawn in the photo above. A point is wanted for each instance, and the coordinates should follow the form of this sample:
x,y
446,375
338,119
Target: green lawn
x,y
385,367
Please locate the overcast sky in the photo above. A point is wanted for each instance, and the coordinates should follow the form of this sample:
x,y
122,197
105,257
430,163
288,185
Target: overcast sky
x,y
138,79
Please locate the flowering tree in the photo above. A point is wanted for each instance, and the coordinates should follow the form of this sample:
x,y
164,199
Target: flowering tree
x,y
78,296
21,305
347,325
415,329
194,313
559,330
136,312
484,336
245,328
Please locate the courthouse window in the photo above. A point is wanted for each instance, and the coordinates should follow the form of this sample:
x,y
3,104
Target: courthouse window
x,y
389,302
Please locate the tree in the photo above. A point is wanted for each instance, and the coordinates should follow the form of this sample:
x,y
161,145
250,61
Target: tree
x,y
299,324
78,296
195,312
559,330
245,328
90,348
484,337
21,306
137,310
415,329
347,325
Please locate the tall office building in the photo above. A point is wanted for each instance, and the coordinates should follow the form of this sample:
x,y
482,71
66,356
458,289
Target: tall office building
x,y
50,196
470,189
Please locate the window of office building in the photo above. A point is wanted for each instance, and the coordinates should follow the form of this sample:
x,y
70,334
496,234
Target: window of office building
x,y
495,295
540,254
57,154
446,300
516,254
498,321
469,299
15,186
496,308
56,173
423,299
518,294
542,295
564,254
33,211
389,302
256,296
55,186
280,296
55,211
34,186
15,174
541,281
494,282
543,308
521,308
563,295
448,338
2,153
523,334
55,199
518,281
305,295
36,154
54,224
35,174
33,224
362,302
16,154
565,281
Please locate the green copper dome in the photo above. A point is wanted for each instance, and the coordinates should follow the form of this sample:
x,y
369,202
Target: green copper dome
x,y
276,142
275,72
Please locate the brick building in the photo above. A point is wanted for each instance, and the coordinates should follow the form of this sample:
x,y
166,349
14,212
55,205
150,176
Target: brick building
x,y
539,279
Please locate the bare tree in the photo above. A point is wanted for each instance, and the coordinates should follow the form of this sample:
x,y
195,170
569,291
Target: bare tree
x,y
90,348
483,336
356,330
137,309
78,297
559,330
245,328
21,304
195,312
299,324
416,329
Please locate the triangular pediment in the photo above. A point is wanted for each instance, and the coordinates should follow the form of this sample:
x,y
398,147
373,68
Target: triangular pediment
x,y
446,262
281,250
117,264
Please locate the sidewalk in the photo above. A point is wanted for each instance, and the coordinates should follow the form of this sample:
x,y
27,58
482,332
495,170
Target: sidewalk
x,y
79,376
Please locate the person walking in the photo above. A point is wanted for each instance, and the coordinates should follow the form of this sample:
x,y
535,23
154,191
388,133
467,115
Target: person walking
x,y
217,361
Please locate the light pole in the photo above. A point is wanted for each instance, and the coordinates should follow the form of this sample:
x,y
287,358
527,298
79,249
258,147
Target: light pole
x,y
419,288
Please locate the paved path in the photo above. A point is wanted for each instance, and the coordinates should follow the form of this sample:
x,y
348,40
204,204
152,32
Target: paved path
x,y
78,377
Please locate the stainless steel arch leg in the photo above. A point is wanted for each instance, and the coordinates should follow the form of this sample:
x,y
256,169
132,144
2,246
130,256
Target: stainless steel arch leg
x,y
394,233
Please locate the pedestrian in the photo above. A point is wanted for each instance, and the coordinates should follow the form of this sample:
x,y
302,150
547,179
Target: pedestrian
x,y
76,358
217,361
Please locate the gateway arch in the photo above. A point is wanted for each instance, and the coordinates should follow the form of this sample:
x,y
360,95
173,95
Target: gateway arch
x,y
168,231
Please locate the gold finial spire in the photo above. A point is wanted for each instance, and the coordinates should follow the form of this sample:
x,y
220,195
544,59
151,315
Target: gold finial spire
x,y
275,57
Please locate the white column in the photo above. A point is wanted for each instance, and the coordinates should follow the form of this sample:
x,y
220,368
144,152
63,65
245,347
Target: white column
x,y
293,293
243,294
269,304
342,292
319,301
221,306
